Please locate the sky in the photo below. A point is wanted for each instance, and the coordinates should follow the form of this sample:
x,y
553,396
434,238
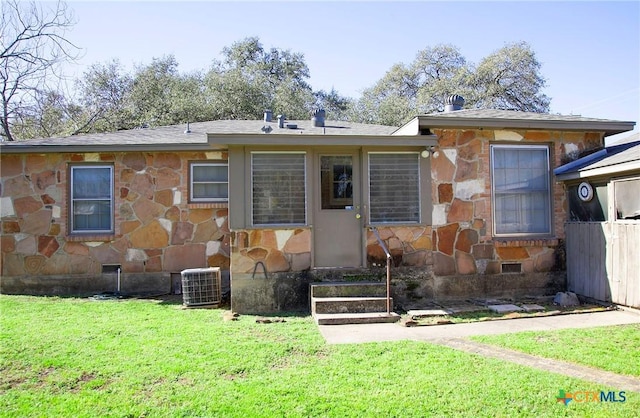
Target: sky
x,y
589,50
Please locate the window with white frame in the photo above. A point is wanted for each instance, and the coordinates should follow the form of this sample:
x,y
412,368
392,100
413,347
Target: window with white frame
x,y
91,199
209,182
278,192
394,187
521,189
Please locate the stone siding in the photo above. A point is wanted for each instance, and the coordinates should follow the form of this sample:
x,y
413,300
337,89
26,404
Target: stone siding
x,y
409,246
278,250
156,230
289,250
462,216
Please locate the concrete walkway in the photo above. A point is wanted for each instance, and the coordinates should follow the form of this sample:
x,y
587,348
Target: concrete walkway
x,y
364,333
454,336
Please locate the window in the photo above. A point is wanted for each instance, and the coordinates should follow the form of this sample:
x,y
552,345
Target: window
x,y
394,188
209,182
336,181
627,199
278,188
91,199
521,189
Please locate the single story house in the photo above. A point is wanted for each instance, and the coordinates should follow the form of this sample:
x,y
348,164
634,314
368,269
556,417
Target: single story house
x,y
603,229
464,200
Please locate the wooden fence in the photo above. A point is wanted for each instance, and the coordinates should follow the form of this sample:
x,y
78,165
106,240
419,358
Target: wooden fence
x,y
603,261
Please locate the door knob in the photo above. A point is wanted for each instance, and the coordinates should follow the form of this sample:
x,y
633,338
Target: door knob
x,y
358,216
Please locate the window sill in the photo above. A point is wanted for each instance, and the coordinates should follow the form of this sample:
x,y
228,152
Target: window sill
x,y
107,237
278,226
519,242
396,225
208,205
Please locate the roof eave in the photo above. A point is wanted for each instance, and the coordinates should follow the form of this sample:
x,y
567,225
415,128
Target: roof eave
x,y
65,148
319,140
608,127
609,170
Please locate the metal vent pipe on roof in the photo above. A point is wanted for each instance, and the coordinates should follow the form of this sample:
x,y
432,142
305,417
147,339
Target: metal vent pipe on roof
x,y
281,119
318,117
453,103
267,115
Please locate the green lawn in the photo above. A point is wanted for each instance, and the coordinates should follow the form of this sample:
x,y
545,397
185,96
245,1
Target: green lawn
x,y
616,349
142,358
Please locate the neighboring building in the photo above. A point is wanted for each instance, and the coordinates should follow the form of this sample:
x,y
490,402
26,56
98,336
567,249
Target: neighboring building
x,y
603,232
464,200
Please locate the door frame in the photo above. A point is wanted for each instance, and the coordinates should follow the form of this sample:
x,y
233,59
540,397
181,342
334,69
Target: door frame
x,y
358,201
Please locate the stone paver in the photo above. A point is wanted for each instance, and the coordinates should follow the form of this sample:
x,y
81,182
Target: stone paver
x,y
422,313
505,308
532,307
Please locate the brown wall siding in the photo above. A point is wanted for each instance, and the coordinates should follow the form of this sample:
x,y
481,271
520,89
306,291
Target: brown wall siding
x,y
279,250
156,228
409,246
461,240
462,234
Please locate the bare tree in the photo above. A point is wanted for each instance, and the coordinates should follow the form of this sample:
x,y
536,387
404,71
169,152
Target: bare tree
x,y
32,46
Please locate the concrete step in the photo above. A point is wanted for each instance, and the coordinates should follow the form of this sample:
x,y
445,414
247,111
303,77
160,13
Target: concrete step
x,y
356,318
348,305
348,289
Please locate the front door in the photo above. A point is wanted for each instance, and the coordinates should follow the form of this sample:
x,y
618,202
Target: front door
x,y
338,209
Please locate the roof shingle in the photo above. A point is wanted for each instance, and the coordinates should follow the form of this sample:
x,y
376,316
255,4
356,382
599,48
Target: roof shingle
x,y
175,134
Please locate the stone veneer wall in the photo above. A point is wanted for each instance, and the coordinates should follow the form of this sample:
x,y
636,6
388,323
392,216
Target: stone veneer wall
x,y
157,232
279,250
409,246
457,257
462,222
289,250
271,268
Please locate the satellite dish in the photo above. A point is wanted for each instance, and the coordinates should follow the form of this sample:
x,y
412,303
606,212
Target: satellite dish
x,y
585,191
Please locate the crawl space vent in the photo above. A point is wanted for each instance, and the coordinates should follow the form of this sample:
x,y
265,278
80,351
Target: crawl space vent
x,y
511,268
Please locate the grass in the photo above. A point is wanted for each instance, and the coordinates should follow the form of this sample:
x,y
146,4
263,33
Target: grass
x,y
146,358
615,349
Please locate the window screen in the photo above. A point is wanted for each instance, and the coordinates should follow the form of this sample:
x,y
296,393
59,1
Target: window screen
x,y
521,195
92,199
278,188
394,188
209,182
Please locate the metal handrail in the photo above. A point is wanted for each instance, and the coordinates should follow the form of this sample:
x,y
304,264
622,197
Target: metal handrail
x,y
386,251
